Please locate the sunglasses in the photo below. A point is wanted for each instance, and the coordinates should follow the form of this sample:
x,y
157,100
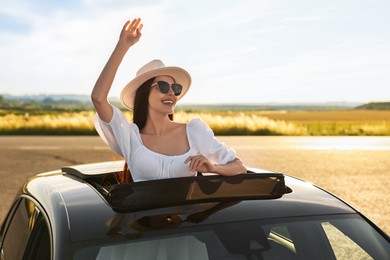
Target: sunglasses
x,y
164,87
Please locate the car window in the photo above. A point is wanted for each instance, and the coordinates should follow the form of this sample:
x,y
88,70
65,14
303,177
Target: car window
x,y
38,246
343,246
285,238
337,238
16,236
21,227
279,236
184,247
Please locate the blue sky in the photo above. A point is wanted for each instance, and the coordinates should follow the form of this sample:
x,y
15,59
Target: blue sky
x,y
236,51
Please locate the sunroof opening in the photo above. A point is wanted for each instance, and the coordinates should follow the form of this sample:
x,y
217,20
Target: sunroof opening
x,y
178,191
126,196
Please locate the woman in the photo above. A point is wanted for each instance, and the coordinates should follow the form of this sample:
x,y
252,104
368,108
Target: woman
x,y
154,146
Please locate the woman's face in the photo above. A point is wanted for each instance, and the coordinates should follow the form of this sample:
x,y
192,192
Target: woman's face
x,y
159,102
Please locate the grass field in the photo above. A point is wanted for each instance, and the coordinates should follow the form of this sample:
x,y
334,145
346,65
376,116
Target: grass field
x,y
293,123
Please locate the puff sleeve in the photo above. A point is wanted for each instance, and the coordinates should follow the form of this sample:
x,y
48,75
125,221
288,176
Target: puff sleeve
x,y
203,140
119,134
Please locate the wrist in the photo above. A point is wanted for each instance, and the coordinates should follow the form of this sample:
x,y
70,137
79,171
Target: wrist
x,y
121,48
215,168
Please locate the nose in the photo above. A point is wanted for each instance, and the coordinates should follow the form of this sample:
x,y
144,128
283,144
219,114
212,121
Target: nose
x,y
170,91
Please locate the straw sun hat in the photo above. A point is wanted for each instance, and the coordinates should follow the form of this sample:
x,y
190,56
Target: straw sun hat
x,y
150,70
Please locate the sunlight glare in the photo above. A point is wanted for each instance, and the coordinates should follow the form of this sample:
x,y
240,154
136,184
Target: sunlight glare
x,y
344,143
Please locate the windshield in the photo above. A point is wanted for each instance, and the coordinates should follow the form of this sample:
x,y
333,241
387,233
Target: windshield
x,y
326,237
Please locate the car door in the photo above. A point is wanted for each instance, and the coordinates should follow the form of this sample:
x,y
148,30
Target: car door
x,y
26,233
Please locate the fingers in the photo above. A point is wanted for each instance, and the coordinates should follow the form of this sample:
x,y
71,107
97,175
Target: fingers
x,y
131,24
198,163
195,163
189,160
138,33
131,32
126,25
133,27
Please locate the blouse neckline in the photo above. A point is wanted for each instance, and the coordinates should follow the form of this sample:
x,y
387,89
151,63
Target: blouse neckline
x,y
161,154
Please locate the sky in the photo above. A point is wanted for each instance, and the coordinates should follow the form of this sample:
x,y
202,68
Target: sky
x,y
237,51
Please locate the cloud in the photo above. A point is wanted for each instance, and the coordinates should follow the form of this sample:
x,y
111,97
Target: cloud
x,y
277,50
61,52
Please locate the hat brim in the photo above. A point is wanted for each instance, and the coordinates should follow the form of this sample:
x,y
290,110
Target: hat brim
x,y
180,76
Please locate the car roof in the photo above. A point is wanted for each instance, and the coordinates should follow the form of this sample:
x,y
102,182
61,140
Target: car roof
x,y
72,197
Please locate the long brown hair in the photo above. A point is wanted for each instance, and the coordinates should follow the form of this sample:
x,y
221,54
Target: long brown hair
x,y
141,104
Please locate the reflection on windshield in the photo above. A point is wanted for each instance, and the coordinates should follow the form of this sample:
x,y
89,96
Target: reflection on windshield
x,y
329,237
172,218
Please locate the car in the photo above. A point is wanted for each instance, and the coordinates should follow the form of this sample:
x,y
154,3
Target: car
x,y
96,211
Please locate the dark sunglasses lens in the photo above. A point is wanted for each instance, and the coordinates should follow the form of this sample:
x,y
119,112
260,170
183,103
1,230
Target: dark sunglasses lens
x,y
163,86
177,88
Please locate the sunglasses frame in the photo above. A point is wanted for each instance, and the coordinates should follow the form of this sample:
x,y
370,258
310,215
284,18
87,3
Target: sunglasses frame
x,y
176,88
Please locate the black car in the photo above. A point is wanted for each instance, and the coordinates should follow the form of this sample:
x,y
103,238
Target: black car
x,y
95,211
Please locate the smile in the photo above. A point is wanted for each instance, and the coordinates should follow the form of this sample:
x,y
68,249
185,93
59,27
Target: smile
x,y
168,102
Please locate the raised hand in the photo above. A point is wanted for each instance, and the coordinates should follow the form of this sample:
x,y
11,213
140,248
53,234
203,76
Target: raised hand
x,y
131,33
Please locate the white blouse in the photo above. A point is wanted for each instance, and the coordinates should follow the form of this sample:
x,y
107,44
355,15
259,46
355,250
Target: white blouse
x,y
144,164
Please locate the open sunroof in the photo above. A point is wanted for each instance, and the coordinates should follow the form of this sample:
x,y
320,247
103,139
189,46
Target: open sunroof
x,y
127,197
168,192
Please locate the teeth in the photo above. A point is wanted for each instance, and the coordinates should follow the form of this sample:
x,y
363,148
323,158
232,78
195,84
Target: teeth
x,y
170,102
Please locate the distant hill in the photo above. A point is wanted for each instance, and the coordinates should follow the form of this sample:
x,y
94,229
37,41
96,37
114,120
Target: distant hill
x,y
48,102
79,98
375,106
39,98
84,102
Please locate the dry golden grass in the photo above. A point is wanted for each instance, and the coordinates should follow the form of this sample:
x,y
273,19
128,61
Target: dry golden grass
x,y
241,123
343,122
80,122
329,115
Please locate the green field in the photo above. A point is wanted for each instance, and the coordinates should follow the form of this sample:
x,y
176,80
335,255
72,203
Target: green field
x,y
223,122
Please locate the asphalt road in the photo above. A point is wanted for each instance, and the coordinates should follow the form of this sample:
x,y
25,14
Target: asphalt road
x,y
355,168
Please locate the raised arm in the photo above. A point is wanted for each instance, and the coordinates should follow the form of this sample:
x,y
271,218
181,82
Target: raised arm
x,y
130,34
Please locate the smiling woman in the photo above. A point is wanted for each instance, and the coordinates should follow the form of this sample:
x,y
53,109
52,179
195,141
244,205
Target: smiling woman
x,y
171,149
